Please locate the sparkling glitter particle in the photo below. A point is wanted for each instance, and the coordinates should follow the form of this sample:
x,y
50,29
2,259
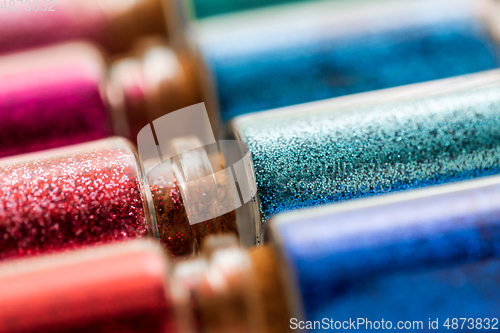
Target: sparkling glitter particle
x,y
178,236
310,158
83,195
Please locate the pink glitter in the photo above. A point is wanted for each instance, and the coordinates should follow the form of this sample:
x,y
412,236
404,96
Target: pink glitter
x,y
114,24
81,195
52,97
70,19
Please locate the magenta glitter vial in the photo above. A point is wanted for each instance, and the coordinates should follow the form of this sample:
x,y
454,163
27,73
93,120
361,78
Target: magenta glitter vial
x,y
62,94
52,97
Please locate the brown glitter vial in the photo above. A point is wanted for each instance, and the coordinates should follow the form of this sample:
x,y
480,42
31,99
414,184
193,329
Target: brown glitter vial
x,y
200,186
98,192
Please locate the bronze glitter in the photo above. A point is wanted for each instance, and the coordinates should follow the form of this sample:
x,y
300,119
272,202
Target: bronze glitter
x,y
179,238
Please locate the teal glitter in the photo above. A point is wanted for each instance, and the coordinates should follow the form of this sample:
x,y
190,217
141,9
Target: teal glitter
x,y
308,157
206,8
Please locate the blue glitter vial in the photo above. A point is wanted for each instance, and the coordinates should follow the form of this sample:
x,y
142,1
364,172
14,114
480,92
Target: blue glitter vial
x,y
296,53
372,143
422,258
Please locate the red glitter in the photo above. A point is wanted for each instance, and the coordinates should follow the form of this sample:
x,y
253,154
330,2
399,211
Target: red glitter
x,y
81,195
119,288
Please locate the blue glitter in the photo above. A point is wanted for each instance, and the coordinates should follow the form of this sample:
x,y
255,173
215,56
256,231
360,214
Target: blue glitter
x,y
311,155
265,61
431,253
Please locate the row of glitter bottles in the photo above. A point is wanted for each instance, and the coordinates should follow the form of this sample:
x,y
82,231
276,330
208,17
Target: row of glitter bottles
x,y
274,191
326,262
365,53
302,156
185,188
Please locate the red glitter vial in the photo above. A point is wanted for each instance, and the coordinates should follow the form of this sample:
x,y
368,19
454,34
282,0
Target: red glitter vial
x,y
94,193
122,287
65,198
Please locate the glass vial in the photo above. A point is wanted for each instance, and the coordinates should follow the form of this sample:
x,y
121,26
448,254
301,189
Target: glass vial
x,y
71,197
66,94
373,143
52,97
435,248
122,287
113,24
296,53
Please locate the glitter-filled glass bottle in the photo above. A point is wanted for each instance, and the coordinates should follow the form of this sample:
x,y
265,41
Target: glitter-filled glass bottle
x,y
369,144
426,253
62,94
132,287
296,53
70,197
123,287
111,23
97,192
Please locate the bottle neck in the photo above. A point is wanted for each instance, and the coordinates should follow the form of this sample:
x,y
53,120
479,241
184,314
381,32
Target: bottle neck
x,y
154,81
198,192
228,289
189,198
128,20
